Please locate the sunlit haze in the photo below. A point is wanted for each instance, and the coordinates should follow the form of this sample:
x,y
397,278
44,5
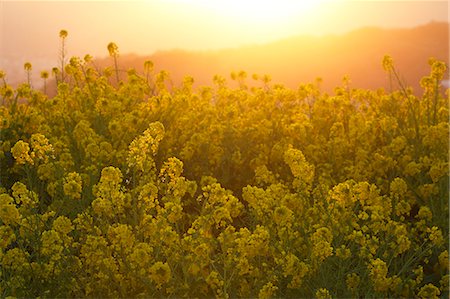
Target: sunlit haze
x,y
146,26
29,29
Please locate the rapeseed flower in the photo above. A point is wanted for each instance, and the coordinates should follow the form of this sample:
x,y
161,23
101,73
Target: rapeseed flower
x,y
160,273
352,281
144,147
378,272
283,216
435,236
7,236
121,238
23,197
429,291
323,293
21,153
72,185
444,260
16,261
62,225
42,149
52,245
9,215
267,291
288,178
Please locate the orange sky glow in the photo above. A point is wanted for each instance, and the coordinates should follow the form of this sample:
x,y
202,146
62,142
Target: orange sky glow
x,y
145,26
29,29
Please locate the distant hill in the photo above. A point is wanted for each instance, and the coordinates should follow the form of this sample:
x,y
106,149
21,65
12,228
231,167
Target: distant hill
x,y
296,60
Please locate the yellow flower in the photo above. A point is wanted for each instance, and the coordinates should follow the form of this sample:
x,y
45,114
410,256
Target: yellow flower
x,y
72,186
62,225
253,244
216,284
293,267
94,250
401,241
343,252
46,172
16,260
302,171
111,176
412,169
322,250
438,170
444,282
110,200
148,197
435,236
8,210
66,161
148,66
289,264
322,234
419,274
398,187
402,208
121,237
425,213
44,74
7,236
443,260
352,281
438,68
388,63
143,147
171,169
221,217
264,176
174,211
267,291
63,33
160,273
102,207
321,242
140,257
363,216
378,274
42,149
113,49
21,152
283,216
323,293
92,151
429,291
24,197
27,66
5,118
52,245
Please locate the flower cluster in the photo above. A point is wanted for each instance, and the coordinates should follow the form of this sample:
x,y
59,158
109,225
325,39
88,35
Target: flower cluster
x,y
134,186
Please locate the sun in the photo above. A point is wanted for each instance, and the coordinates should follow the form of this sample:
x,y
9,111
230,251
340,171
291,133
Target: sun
x,y
262,12
232,23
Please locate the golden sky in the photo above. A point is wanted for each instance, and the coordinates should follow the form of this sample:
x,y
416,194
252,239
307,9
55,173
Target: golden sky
x,y
30,28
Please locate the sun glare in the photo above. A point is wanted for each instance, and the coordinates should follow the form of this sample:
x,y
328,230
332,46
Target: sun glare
x,y
265,12
225,23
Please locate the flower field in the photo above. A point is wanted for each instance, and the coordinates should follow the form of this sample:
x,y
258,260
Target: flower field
x,y
143,189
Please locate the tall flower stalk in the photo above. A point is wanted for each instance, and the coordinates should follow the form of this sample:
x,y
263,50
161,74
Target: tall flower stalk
x,y
28,67
63,35
114,53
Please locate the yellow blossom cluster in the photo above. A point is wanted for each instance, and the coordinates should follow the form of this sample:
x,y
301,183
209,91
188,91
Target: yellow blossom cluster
x,y
73,185
137,186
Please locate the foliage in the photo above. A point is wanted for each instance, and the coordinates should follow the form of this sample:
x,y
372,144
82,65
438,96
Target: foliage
x,y
136,189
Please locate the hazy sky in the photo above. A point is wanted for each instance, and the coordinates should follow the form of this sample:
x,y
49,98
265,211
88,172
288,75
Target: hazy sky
x,y
29,29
